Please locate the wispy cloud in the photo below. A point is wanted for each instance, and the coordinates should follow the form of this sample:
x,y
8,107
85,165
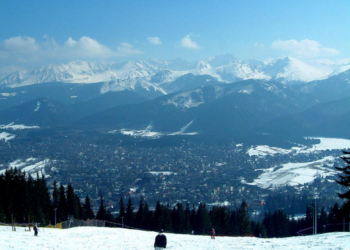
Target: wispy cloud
x,y
187,42
126,49
305,48
26,49
154,40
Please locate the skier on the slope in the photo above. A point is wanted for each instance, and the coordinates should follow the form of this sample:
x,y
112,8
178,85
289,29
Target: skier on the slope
x,y
160,241
212,233
35,230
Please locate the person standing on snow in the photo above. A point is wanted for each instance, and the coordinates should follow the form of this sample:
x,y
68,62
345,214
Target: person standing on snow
x,y
212,233
35,230
160,241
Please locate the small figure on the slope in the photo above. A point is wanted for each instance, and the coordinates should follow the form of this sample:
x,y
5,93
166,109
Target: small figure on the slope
x,y
192,232
160,241
35,230
212,233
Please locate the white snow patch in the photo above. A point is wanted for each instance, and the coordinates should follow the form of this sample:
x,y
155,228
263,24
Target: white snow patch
x,y
128,239
183,129
189,99
18,126
6,136
264,150
8,94
325,144
161,172
29,167
148,133
293,174
37,107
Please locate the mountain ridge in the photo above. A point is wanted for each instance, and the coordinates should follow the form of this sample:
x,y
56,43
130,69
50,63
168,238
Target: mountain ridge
x,y
225,68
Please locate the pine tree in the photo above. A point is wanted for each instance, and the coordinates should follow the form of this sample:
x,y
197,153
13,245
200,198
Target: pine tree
x,y
178,218
187,219
121,211
167,224
89,214
220,219
72,202
129,215
101,213
140,216
234,225
62,214
193,219
243,218
147,217
345,176
158,217
203,224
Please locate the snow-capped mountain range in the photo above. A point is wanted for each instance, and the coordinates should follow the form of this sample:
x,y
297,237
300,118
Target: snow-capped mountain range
x,y
158,76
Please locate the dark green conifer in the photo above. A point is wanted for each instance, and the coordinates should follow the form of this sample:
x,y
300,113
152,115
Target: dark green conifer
x,y
129,215
101,213
89,214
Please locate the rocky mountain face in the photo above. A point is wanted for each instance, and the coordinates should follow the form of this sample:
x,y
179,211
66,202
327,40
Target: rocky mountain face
x,y
156,77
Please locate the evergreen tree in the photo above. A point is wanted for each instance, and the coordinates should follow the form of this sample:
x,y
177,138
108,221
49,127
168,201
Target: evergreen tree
x,y
345,176
89,214
121,216
129,215
178,218
167,221
243,219
234,225
187,219
55,201
158,217
203,224
72,202
101,213
147,217
62,214
193,219
42,210
140,216
220,219
109,217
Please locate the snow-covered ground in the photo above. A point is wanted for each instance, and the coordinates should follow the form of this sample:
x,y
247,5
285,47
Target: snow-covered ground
x,y
148,133
326,143
17,126
297,173
112,238
6,136
31,166
293,174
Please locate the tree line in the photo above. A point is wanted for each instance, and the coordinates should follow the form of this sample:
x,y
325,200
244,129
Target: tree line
x,y
27,199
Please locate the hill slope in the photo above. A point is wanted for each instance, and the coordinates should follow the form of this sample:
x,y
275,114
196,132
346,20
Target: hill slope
x,y
127,239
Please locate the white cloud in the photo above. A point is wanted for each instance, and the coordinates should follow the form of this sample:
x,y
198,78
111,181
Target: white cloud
x,y
154,40
305,48
19,49
85,47
126,49
259,45
26,49
23,51
186,42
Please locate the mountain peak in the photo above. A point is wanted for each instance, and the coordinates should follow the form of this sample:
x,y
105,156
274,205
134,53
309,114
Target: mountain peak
x,y
221,60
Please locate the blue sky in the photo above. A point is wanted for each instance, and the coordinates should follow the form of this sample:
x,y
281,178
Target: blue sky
x,y
33,33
